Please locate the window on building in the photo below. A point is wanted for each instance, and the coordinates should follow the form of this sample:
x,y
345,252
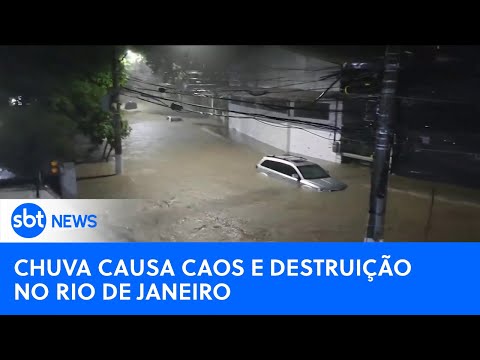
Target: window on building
x,y
275,105
246,103
320,111
263,104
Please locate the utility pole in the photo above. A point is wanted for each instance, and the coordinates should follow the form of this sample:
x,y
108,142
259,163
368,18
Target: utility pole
x,y
117,119
38,183
382,153
291,113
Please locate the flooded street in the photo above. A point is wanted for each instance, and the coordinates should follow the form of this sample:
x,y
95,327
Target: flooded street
x,y
201,186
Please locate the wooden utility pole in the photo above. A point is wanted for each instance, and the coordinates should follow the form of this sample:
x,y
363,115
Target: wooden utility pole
x,y
117,119
382,153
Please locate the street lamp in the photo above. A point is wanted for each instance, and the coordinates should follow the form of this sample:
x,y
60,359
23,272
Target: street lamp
x,y
132,57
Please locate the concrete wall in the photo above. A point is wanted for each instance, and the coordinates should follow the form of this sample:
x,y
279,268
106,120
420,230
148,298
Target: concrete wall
x,y
310,142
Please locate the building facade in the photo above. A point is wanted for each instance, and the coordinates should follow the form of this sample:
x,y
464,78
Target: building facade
x,y
282,89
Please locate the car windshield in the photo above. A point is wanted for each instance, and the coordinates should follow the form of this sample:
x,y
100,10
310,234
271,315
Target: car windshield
x,y
313,172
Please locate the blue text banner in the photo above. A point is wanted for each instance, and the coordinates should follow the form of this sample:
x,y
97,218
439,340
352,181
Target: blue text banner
x,y
239,278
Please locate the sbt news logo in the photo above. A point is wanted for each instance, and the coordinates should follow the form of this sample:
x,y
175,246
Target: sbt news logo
x,y
29,220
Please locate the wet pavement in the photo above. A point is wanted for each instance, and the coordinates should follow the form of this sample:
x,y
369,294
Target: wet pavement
x,y
202,186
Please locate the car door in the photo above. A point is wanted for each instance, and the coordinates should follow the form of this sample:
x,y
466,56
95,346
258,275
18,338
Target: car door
x,y
288,173
274,169
266,167
279,170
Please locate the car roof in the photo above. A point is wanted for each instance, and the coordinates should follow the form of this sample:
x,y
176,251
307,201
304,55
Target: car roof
x,y
297,160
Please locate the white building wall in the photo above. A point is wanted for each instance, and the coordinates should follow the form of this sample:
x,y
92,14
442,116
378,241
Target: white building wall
x,y
274,67
315,143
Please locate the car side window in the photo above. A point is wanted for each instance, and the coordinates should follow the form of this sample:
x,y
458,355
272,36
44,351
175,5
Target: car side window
x,y
280,167
268,164
276,166
287,170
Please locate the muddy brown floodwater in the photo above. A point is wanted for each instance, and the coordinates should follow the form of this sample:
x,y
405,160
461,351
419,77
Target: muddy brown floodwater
x,y
201,186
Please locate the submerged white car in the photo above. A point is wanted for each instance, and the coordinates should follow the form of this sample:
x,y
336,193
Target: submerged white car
x,y
298,170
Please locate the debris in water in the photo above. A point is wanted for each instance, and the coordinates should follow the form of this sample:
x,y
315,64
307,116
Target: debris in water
x,y
174,118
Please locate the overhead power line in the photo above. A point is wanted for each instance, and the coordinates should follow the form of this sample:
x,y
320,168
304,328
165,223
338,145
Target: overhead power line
x,y
334,74
323,93
276,107
269,117
241,117
250,117
340,96
253,92
326,68
261,104
279,68
292,127
147,100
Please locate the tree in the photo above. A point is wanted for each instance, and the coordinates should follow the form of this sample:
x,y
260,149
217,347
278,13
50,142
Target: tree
x,y
68,83
82,102
32,136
